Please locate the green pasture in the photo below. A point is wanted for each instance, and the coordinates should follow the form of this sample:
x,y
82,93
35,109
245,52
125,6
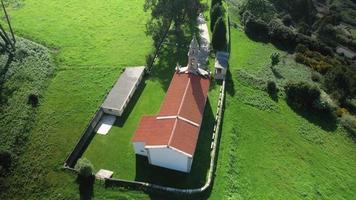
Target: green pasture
x,y
270,151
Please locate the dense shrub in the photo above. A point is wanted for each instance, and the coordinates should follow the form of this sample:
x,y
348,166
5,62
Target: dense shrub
x,y
84,167
300,10
255,28
272,88
215,2
275,59
301,48
304,29
281,34
302,95
5,158
316,77
216,12
219,35
287,20
349,123
341,82
262,9
33,99
315,60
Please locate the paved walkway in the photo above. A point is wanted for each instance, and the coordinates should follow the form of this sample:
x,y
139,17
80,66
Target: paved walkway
x,y
204,42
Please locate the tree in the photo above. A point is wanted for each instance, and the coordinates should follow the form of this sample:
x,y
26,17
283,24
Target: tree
x,y
275,59
216,12
84,167
164,12
262,9
215,2
219,35
272,88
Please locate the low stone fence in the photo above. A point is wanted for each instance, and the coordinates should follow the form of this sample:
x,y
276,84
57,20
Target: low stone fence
x,y
84,140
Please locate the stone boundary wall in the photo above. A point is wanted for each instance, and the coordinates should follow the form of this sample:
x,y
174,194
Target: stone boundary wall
x,y
84,140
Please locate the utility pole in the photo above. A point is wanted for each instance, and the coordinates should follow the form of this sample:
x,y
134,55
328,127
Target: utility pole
x,y
13,42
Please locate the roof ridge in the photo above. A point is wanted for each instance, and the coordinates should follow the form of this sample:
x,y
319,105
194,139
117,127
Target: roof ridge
x,y
172,132
180,107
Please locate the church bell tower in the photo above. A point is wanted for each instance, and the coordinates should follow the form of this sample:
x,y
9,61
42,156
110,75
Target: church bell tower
x,y
193,55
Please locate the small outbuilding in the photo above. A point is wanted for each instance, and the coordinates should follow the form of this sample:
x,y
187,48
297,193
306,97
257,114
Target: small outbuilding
x,y
221,65
123,90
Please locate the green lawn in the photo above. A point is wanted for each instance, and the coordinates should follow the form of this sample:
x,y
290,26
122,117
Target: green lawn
x,y
268,151
87,33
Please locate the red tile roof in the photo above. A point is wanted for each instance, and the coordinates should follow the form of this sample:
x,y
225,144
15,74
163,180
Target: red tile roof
x,y
178,123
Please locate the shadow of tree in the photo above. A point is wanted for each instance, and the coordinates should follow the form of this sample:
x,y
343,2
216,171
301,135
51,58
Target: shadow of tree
x,y
326,120
4,92
230,86
172,52
86,187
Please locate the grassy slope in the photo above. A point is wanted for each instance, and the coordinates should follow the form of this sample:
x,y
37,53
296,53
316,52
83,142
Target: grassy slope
x,y
267,154
94,41
87,33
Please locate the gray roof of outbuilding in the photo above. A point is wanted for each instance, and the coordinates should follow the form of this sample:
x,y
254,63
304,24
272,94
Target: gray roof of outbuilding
x,y
121,91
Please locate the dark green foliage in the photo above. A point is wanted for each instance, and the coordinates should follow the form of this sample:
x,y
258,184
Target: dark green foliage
x,y
272,88
316,77
340,81
33,99
301,48
304,29
216,12
281,34
302,95
219,40
349,123
315,60
300,10
287,20
5,158
255,28
164,13
275,59
215,2
84,167
262,9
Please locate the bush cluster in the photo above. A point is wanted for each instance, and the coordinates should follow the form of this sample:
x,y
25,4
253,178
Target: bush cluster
x,y
340,81
305,96
272,88
349,123
314,59
279,34
84,167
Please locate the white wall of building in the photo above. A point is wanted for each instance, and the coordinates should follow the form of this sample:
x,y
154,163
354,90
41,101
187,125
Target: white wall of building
x,y
169,158
139,148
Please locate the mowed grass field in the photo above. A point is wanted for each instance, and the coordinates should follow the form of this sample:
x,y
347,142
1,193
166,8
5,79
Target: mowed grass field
x,y
86,33
268,151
